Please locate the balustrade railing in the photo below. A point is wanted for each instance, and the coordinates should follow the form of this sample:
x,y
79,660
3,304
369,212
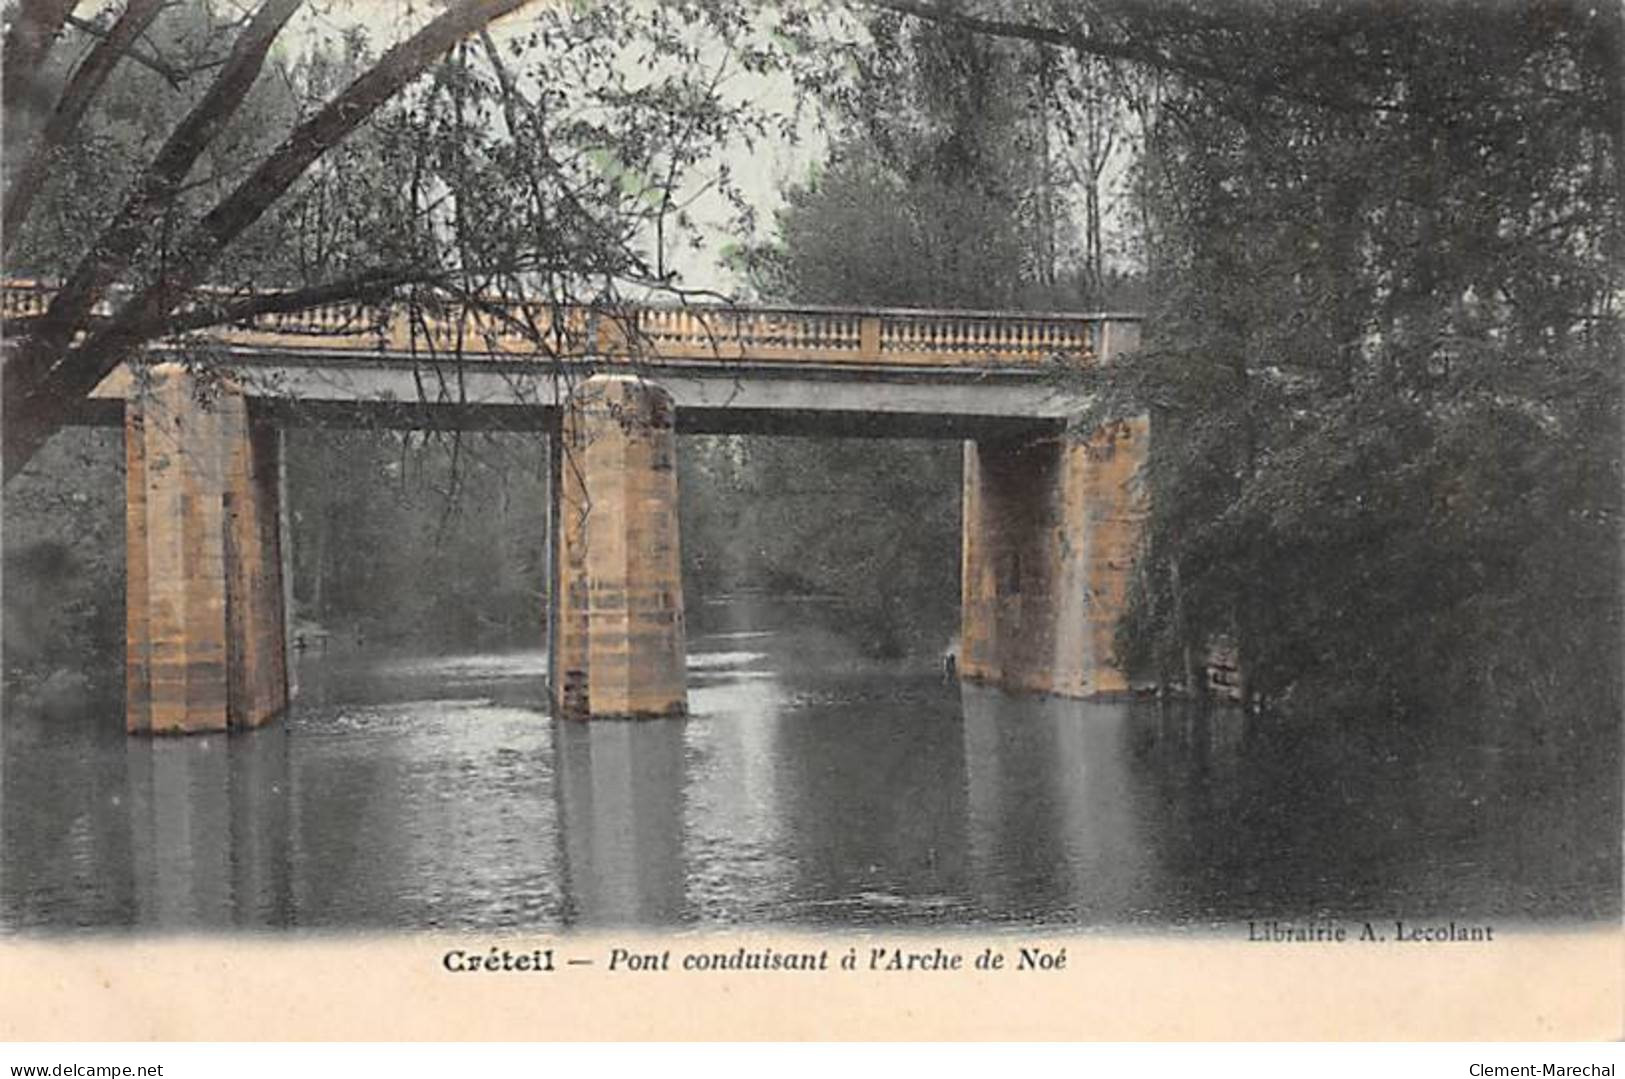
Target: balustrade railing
x,y
788,334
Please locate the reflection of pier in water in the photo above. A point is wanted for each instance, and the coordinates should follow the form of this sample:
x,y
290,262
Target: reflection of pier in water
x,y
810,787
1051,807
620,796
211,831
802,797
807,789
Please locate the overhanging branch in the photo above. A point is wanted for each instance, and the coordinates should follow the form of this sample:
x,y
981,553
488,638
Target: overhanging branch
x,y
1122,49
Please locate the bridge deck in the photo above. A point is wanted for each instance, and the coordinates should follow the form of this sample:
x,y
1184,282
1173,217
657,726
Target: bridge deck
x,y
728,367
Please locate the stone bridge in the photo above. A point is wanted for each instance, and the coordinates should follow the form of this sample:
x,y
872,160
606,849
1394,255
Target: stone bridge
x,y
1050,521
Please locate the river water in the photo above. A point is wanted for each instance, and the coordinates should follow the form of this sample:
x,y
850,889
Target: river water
x,y
809,788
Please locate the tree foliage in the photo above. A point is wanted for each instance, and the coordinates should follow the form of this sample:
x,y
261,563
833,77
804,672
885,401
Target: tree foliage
x,y
398,539
1383,358
549,161
932,194
1384,361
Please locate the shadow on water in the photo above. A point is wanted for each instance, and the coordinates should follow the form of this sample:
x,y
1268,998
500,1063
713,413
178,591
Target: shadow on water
x,y
811,786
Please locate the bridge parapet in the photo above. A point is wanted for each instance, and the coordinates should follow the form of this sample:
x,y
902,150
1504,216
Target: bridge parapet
x,y
813,335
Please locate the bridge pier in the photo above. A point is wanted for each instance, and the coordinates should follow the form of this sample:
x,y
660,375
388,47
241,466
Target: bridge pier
x,y
204,601
619,649
1051,531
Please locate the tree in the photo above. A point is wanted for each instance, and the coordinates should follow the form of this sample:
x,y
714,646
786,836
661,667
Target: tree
x,y
1386,360
543,158
1384,355
932,195
937,190
47,374
539,167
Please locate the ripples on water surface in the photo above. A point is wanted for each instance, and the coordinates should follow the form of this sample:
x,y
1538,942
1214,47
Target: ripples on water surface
x,y
808,789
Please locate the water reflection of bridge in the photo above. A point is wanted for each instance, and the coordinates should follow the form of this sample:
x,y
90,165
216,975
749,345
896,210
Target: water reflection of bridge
x,y
1050,522
807,794
1027,811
